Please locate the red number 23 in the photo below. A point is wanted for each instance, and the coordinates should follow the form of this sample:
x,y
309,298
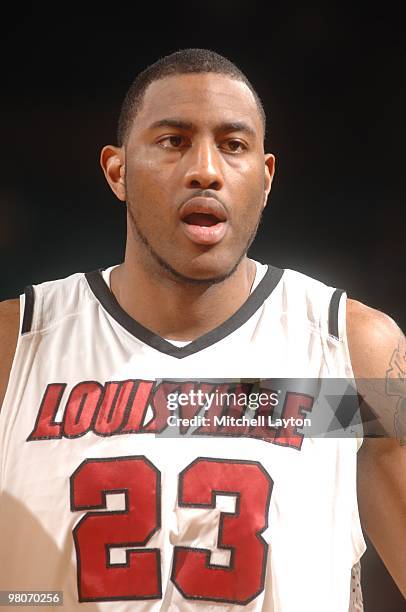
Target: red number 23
x,y
139,576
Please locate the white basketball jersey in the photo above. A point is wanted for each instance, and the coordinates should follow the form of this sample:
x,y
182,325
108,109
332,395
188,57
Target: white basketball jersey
x,y
110,495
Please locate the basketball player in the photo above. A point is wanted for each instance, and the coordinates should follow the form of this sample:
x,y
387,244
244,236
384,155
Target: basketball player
x,y
96,500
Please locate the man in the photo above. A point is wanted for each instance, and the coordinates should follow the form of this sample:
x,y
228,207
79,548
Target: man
x,y
115,509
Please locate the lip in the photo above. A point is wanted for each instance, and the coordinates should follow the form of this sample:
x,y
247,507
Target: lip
x,y
199,204
199,234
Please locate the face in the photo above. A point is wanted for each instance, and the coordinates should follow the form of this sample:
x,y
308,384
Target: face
x,y
195,175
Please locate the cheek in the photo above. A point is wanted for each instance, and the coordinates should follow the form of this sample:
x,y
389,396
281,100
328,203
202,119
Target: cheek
x,y
252,194
147,191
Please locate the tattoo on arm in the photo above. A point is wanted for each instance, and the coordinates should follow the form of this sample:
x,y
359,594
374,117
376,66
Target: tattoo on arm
x,y
396,386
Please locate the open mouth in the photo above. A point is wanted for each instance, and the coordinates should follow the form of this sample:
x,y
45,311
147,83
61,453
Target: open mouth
x,y
204,221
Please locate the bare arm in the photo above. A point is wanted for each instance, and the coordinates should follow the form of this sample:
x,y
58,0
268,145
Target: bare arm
x,y
378,355
9,325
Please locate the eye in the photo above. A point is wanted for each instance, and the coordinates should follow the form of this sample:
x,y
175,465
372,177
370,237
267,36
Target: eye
x,y
172,142
235,146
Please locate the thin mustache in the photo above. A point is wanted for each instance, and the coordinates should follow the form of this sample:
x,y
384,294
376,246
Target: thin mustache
x,y
204,193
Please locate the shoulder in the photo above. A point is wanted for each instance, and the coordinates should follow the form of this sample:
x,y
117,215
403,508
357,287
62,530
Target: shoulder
x,y
373,339
378,355
9,327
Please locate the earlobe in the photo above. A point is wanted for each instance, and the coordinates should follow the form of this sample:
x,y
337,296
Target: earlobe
x,y
112,163
269,174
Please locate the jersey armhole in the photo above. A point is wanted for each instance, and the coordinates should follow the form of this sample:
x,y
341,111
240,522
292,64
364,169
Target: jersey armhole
x,y
334,327
31,319
338,312
28,309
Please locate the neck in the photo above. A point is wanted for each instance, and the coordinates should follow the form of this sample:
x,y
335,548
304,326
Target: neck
x,y
178,310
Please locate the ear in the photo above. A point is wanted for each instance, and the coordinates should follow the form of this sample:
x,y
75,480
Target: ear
x,y
269,173
112,160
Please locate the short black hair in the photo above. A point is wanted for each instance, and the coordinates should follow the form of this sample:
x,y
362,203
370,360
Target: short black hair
x,y
181,62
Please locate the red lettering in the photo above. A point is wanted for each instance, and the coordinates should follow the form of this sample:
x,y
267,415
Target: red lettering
x,y
116,399
159,405
45,426
121,407
294,405
138,407
81,408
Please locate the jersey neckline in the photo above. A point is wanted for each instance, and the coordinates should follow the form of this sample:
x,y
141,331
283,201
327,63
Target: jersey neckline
x,y
107,299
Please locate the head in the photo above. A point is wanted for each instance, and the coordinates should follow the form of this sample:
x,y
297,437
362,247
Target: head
x,y
191,167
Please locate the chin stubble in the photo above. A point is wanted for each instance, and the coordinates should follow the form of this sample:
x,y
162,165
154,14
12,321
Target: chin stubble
x,y
178,276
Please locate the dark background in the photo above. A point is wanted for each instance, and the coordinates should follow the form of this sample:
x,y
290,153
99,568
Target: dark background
x,y
332,81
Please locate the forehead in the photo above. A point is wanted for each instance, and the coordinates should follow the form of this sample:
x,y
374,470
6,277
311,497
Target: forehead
x,y
202,99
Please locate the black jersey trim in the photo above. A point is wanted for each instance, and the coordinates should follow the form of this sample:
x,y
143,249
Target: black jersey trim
x,y
333,313
255,300
28,309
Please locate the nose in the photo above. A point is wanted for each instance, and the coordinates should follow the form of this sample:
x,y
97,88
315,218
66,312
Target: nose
x,y
203,170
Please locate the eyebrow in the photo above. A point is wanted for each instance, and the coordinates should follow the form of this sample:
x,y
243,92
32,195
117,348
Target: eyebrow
x,y
228,126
